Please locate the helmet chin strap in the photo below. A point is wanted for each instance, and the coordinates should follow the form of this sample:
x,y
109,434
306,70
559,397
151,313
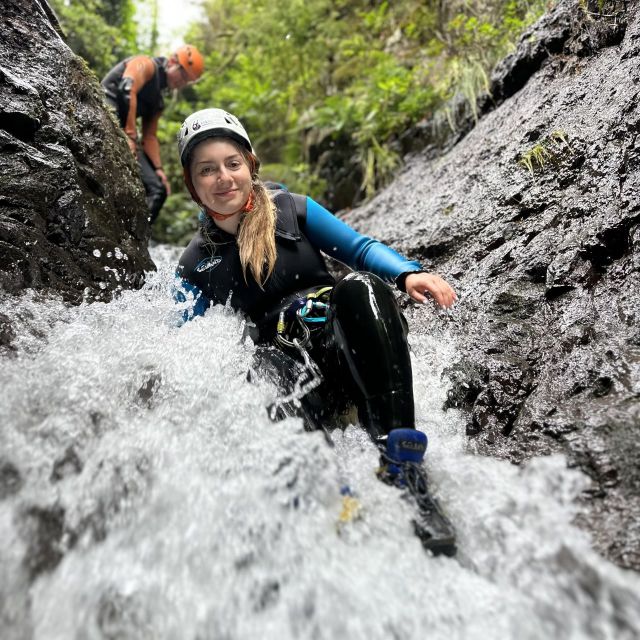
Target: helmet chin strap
x,y
248,206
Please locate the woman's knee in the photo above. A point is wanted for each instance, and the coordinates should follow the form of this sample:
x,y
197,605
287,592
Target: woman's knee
x,y
359,282
363,297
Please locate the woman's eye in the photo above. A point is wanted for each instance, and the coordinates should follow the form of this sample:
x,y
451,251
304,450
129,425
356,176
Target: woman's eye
x,y
206,171
234,164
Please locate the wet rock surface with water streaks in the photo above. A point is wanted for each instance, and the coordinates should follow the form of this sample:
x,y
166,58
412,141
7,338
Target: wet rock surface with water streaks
x,y
72,210
533,216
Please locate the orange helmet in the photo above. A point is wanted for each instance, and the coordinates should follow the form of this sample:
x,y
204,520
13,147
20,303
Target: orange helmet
x,y
191,60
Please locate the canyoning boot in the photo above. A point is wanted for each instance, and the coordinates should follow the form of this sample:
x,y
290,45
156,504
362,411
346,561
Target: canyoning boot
x,y
401,456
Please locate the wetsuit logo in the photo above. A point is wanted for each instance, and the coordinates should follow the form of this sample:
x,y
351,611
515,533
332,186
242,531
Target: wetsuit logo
x,y
208,263
412,446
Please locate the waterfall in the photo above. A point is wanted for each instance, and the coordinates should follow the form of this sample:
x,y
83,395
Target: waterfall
x,y
144,493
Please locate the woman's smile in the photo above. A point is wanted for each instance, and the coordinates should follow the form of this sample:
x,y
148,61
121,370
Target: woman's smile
x,y
227,193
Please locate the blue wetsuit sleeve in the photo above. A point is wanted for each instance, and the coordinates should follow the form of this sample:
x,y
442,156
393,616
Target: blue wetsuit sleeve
x,y
192,301
361,253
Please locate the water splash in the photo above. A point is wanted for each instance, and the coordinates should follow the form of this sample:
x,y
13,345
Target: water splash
x,y
153,498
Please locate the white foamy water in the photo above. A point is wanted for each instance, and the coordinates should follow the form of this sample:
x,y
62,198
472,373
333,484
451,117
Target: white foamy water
x,y
181,511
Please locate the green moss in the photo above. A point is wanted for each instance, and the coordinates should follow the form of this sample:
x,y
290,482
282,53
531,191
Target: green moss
x,y
598,9
548,151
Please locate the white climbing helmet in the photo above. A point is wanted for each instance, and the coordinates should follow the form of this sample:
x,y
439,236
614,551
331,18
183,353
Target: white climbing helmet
x,y
208,123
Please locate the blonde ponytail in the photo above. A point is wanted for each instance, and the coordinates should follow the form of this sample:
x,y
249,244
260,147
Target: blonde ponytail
x,y
257,235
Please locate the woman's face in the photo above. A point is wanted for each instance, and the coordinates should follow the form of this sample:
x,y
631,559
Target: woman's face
x,y
220,175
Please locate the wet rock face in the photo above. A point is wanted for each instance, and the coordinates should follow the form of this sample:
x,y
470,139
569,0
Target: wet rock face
x,y
72,209
533,217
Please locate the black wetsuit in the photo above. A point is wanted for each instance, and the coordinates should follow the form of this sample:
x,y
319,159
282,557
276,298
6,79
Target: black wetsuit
x,y
361,350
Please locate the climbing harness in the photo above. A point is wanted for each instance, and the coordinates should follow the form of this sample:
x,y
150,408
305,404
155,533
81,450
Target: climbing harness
x,y
292,331
296,318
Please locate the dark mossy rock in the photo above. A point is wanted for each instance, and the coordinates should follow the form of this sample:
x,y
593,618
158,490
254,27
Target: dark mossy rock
x,y
73,217
546,258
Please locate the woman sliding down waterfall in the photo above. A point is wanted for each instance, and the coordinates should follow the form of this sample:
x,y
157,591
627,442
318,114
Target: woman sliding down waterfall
x,y
259,249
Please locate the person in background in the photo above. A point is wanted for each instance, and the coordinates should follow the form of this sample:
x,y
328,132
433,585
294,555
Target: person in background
x,y
135,88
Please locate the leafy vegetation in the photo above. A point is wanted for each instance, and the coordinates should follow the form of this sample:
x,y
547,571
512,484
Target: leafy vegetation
x,y
357,69
101,31
309,76
609,10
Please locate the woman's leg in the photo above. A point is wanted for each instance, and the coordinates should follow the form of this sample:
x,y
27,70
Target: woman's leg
x,y
369,336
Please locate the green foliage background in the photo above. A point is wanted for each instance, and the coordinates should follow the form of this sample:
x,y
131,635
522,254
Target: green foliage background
x,y
101,31
300,73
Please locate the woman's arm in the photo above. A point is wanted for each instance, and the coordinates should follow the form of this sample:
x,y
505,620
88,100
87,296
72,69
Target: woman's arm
x,y
185,292
340,241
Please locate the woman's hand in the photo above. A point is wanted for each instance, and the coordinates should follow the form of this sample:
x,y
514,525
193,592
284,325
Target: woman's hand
x,y
419,285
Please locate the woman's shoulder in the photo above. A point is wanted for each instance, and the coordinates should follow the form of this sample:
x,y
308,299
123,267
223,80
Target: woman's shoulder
x,y
284,199
291,211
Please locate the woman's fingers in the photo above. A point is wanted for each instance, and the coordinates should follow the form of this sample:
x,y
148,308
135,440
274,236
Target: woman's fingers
x,y
443,296
421,285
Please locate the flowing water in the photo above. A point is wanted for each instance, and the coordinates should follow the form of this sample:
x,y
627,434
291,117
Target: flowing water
x,y
145,494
